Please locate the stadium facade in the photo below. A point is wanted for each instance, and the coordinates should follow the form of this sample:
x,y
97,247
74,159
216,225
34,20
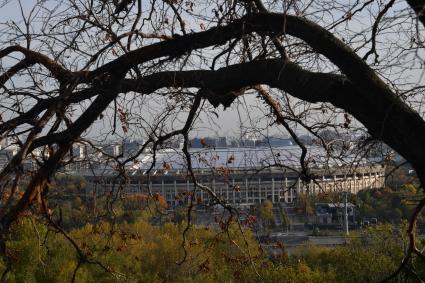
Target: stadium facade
x,y
238,176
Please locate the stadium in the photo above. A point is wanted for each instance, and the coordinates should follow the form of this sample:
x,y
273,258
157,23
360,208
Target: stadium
x,y
238,176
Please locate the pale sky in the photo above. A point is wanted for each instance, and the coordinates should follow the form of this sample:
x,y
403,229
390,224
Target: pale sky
x,y
227,123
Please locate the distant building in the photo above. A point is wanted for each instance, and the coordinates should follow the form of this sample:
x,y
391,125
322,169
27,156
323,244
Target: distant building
x,y
79,150
333,213
273,141
276,142
131,147
219,142
113,149
306,139
250,142
238,176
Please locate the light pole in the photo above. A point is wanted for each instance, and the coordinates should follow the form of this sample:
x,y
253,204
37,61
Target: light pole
x,y
346,213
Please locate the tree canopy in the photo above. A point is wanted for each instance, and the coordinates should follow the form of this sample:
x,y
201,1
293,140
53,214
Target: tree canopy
x,y
160,68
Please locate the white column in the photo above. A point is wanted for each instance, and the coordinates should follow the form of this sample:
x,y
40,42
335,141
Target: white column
x,y
355,183
259,193
286,190
335,185
175,189
345,183
291,193
246,184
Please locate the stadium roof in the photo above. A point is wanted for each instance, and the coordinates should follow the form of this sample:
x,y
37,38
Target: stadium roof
x,y
233,158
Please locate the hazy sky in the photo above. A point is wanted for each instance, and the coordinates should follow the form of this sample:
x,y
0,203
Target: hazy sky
x,y
228,122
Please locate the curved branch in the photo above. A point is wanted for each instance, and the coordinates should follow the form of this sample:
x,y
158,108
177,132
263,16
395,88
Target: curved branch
x,y
33,57
30,116
387,118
